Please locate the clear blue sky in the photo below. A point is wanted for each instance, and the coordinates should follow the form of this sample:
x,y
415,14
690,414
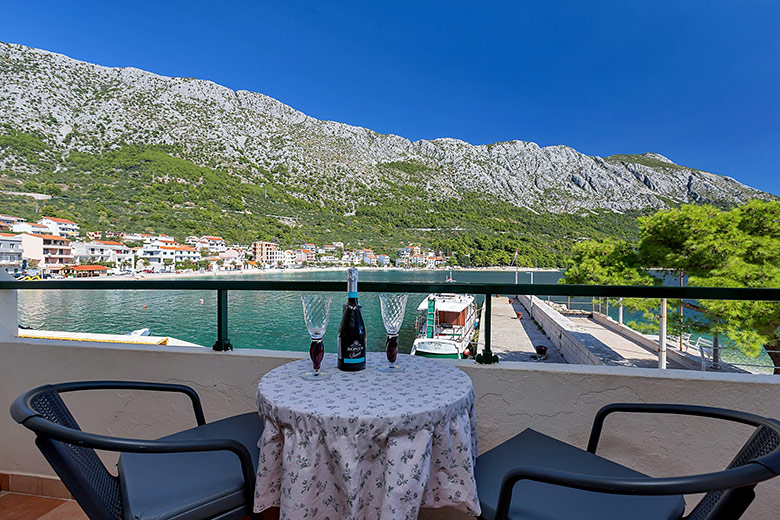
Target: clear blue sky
x,y
697,81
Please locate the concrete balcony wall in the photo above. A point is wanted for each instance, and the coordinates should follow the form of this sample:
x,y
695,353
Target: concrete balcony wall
x,y
559,400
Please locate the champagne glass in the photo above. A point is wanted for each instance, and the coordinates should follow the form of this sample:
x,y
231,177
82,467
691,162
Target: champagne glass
x,y
393,308
316,311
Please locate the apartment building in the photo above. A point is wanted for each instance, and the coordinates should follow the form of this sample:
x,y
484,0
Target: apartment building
x,y
267,253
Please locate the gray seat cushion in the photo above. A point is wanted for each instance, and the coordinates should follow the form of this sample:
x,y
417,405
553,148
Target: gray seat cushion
x,y
188,486
539,501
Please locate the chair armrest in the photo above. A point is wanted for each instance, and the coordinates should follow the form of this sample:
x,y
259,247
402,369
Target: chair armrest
x,y
54,431
751,473
678,409
131,385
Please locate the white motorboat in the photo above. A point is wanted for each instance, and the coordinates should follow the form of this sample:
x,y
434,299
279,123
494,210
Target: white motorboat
x,y
445,325
140,332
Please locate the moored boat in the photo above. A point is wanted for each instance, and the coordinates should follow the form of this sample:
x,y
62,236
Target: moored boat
x,y
445,325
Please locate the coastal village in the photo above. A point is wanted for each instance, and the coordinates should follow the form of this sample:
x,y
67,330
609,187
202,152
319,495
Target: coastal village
x,y
52,248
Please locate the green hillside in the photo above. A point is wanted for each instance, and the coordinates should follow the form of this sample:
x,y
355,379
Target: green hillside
x,y
153,189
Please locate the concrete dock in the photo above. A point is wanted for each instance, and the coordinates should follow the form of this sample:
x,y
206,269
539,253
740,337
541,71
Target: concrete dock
x,y
513,339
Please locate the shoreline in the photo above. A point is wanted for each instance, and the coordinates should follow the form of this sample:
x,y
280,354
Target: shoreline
x,y
148,276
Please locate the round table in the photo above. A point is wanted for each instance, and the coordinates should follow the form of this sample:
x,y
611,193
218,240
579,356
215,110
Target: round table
x,y
367,444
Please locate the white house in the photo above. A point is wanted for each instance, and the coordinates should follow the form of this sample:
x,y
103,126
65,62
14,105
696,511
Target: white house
x,y
10,252
304,255
180,253
150,256
7,222
101,251
155,254
232,257
60,227
29,227
212,243
146,238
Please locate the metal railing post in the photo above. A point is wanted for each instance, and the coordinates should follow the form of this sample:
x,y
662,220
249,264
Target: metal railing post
x,y
222,343
486,357
715,352
662,336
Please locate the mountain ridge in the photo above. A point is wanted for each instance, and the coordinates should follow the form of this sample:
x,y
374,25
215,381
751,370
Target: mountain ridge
x,y
220,127
123,149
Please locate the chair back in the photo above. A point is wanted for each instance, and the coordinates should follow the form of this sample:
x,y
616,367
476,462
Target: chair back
x,y
80,469
732,503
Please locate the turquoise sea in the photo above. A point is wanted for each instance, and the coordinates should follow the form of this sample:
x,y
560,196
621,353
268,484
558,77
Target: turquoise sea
x,y
270,320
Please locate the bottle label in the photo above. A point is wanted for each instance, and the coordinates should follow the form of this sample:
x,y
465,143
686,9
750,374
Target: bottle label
x,y
352,294
356,353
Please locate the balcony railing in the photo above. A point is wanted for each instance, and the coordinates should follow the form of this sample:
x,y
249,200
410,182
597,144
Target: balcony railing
x,y
222,287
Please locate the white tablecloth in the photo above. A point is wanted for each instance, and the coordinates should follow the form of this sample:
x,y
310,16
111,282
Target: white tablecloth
x,y
367,445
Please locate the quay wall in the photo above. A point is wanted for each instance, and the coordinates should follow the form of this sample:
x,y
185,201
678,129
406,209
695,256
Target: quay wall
x,y
559,400
561,331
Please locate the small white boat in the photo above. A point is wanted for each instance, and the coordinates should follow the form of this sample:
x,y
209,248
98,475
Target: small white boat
x,y
140,332
445,325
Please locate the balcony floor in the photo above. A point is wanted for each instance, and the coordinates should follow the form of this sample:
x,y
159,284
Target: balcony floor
x,y
18,506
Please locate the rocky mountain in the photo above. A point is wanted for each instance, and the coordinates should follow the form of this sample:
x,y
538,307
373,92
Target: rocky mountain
x,y
75,106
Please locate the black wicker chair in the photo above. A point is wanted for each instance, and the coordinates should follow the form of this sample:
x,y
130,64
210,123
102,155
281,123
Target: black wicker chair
x,y
204,472
533,476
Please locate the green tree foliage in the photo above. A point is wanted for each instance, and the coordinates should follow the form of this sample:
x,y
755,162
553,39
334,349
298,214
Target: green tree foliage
x,y
714,248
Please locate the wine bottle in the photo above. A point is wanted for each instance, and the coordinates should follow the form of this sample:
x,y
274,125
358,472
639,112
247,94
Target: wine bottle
x,y
352,332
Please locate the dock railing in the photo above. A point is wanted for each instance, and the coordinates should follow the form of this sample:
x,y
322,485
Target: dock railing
x,y
223,287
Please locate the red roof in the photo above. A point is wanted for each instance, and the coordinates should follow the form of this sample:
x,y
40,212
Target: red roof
x,y
11,216
109,243
60,220
50,237
214,238
178,248
89,268
7,235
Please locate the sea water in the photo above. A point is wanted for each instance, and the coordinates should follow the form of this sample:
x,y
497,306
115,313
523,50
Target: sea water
x,y
256,319
272,319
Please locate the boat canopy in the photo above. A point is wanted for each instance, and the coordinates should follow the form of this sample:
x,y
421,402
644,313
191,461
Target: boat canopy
x,y
447,303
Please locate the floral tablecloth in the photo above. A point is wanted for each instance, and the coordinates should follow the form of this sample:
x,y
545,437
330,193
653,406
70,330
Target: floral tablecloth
x,y
367,445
